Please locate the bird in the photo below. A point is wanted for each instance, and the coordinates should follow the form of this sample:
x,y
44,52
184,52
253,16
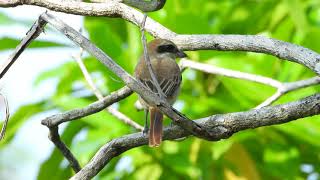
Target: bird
x,y
162,54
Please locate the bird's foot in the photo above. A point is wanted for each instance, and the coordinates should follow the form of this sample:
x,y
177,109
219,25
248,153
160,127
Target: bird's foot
x,y
145,131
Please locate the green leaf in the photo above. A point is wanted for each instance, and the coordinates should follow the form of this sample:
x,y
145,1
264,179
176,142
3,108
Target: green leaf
x,y
306,130
220,147
4,19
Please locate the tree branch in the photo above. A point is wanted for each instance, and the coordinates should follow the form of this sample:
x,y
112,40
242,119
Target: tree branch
x,y
147,60
286,87
33,33
251,43
146,6
222,126
95,107
52,122
271,99
208,68
55,138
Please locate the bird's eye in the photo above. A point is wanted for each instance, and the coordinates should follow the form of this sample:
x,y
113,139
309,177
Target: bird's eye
x,y
167,48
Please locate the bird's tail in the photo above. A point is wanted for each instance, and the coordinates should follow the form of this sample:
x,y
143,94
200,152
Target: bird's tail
x,y
155,132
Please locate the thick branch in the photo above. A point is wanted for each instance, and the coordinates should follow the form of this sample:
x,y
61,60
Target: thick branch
x,y
222,126
252,43
146,6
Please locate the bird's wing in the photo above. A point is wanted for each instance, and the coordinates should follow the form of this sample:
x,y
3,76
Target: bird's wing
x,y
166,71
169,84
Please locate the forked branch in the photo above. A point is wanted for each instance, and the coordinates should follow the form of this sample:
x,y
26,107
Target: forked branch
x,y
282,87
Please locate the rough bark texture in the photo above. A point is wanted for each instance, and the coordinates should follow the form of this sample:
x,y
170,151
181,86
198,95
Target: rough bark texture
x,y
222,126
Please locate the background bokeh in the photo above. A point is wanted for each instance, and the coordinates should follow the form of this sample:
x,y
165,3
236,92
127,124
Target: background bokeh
x,y
288,151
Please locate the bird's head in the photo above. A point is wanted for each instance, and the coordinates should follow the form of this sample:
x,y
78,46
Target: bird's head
x,y
163,48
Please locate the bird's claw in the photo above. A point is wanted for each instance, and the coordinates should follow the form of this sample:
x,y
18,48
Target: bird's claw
x,y
145,131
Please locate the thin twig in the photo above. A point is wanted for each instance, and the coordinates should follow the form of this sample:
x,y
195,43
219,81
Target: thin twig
x,y
7,116
95,107
33,33
147,59
282,88
99,95
55,138
288,87
271,99
208,68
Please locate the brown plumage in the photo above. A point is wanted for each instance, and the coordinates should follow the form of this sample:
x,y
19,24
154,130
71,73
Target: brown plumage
x,y
162,54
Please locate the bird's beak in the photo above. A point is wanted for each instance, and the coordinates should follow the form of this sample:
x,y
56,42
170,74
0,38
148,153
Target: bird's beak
x,y
181,54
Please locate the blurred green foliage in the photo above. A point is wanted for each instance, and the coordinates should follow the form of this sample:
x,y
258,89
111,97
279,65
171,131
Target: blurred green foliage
x,y
275,152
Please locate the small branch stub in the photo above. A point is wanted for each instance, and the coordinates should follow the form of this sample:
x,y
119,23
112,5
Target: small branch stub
x,y
6,116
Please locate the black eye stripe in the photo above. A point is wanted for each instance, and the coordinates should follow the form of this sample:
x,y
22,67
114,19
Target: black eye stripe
x,y
167,48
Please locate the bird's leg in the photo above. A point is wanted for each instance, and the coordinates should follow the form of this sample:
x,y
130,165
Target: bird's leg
x,y
172,123
146,127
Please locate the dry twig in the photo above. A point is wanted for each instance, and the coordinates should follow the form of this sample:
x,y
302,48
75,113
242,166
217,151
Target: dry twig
x,y
7,116
147,60
282,88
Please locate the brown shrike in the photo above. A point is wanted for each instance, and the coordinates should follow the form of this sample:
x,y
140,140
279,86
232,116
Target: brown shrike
x,y
162,54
